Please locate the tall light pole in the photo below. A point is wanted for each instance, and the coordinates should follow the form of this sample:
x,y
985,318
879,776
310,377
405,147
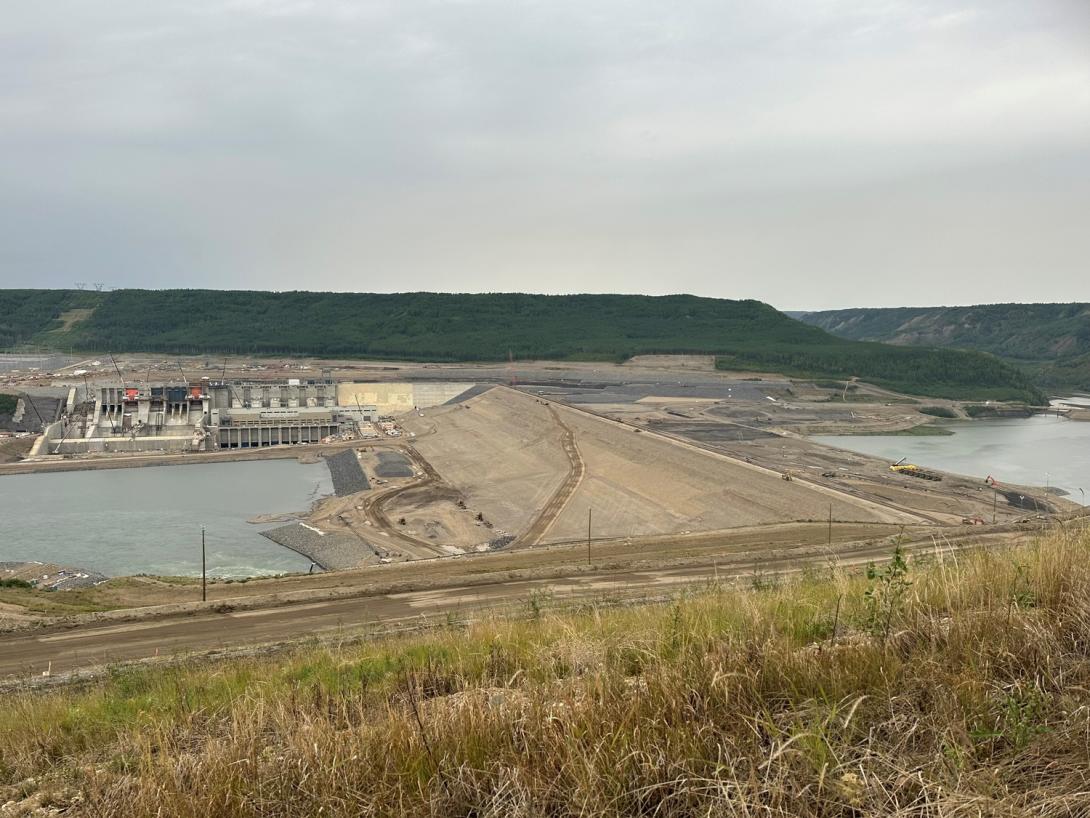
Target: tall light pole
x,y
204,573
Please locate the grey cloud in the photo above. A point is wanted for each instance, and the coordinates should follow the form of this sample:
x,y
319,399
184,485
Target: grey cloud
x,y
808,154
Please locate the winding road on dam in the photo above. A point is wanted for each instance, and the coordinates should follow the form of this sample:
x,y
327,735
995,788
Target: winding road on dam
x,y
564,492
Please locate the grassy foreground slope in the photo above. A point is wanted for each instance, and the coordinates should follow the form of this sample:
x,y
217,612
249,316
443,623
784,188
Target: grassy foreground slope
x,y
1052,340
959,687
487,327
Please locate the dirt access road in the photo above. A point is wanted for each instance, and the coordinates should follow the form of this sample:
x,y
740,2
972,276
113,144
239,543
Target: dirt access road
x,y
373,507
564,492
220,626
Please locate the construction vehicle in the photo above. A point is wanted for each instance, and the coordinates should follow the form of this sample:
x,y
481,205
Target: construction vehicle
x,y
788,475
912,470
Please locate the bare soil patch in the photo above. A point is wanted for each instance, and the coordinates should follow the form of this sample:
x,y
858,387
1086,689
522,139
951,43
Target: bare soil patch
x,y
640,483
501,450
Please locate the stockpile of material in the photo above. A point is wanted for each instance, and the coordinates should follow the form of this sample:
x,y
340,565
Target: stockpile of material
x,y
348,476
330,550
393,464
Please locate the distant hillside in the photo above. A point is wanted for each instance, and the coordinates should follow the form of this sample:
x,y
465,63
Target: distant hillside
x,y
486,327
1052,341
26,315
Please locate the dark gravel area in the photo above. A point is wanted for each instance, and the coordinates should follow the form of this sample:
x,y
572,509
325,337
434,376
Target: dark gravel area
x,y
472,392
348,476
332,551
586,392
393,464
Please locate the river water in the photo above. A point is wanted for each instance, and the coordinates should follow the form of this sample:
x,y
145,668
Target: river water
x,y
1035,451
148,520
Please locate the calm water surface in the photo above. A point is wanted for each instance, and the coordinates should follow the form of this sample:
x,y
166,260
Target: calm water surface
x,y
148,520
1032,451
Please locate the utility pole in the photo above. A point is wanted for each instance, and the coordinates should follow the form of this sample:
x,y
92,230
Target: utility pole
x,y
995,501
830,523
590,511
204,573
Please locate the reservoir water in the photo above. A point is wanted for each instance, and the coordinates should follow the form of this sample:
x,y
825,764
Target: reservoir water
x,y
148,520
1035,451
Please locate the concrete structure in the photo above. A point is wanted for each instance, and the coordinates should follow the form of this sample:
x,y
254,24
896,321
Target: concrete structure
x,y
261,413
399,397
203,416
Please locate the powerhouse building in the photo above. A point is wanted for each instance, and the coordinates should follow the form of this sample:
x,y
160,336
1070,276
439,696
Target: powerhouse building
x,y
205,416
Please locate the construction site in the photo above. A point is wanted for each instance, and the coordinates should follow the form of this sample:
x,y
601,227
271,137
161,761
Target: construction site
x,y
656,472
432,461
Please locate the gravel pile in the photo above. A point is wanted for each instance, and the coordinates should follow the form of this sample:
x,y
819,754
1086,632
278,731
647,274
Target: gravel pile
x,y
348,476
393,464
331,550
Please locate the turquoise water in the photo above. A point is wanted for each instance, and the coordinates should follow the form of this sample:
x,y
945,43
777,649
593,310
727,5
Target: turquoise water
x,y
148,520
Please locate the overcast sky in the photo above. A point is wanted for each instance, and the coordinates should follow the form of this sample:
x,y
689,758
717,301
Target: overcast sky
x,y
809,153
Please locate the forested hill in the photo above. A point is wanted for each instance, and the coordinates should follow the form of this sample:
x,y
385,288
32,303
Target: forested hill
x,y
1026,331
1051,341
748,335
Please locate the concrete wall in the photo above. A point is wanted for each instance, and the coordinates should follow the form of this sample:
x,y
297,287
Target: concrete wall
x,y
122,444
398,397
47,439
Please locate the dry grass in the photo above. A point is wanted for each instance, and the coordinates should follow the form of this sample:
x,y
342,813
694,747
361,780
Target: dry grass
x,y
961,687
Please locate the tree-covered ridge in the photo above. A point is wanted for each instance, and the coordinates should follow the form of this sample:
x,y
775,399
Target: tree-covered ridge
x,y
487,327
1035,332
944,373
428,326
25,315
1065,374
1051,341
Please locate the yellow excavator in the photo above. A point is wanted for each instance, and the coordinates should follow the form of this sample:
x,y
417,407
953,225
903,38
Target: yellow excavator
x,y
912,470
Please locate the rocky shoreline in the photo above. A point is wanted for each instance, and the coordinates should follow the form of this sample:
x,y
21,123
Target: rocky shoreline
x,y
329,550
347,474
